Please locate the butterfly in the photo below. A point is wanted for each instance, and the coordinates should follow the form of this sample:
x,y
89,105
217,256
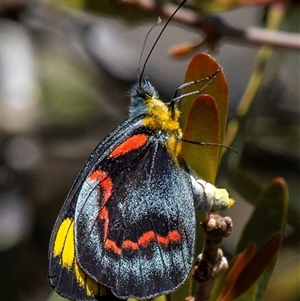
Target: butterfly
x,y
127,227
128,222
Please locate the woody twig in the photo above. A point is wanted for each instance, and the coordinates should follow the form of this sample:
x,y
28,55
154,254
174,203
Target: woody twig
x,y
215,29
210,263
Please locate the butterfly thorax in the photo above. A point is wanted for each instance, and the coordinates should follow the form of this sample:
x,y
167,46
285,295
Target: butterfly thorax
x,y
157,116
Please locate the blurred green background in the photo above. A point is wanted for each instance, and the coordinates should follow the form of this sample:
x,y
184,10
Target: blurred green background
x,y
65,79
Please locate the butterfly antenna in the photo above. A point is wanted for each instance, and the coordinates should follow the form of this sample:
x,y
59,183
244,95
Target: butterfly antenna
x,y
140,75
210,144
143,48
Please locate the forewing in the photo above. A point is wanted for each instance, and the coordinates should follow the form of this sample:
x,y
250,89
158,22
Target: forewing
x,y
65,275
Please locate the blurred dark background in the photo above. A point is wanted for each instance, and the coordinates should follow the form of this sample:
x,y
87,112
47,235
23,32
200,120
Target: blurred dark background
x,y
64,86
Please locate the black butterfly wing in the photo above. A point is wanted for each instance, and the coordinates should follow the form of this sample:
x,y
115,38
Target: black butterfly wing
x,y
65,274
135,223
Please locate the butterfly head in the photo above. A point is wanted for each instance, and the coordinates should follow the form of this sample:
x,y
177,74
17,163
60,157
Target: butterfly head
x,y
141,93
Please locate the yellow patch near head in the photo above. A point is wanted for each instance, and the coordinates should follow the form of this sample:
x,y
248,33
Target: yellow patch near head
x,y
64,246
160,118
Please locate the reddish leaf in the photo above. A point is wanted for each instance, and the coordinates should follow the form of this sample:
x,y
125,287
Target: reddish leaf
x,y
182,49
201,66
205,118
201,127
239,264
254,268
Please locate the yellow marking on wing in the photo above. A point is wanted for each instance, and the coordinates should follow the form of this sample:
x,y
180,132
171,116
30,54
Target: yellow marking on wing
x,y
64,246
64,243
90,285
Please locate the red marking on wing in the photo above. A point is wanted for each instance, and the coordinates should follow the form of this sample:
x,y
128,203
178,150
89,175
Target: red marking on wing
x,y
145,240
148,237
110,244
128,145
174,236
128,244
105,183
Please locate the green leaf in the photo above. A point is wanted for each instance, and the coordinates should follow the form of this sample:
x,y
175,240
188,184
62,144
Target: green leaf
x,y
268,218
257,266
285,284
241,260
55,297
246,271
250,272
160,298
